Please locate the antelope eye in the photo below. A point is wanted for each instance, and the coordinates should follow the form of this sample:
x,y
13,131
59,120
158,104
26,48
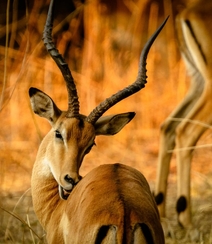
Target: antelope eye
x,y
58,135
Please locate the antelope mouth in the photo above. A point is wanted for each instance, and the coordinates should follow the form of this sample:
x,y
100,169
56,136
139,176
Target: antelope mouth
x,y
64,194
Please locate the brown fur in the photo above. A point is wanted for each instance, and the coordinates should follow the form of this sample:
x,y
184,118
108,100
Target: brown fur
x,y
110,195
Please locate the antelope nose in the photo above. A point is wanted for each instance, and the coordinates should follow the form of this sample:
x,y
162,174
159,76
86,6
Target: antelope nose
x,y
72,180
69,180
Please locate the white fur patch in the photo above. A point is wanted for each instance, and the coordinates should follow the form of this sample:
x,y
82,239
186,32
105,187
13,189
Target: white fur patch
x,y
46,169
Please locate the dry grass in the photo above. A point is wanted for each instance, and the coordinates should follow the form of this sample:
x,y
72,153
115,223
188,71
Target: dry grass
x,y
107,62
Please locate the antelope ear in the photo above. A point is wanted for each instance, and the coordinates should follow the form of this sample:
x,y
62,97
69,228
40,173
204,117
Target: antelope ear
x,y
112,124
43,105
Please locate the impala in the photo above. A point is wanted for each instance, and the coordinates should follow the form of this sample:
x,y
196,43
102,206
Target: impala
x,y
112,203
183,128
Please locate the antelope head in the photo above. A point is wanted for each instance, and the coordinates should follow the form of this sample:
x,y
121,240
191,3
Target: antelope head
x,y
73,135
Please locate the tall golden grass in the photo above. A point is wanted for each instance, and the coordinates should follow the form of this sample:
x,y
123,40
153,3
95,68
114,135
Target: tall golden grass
x,y
105,61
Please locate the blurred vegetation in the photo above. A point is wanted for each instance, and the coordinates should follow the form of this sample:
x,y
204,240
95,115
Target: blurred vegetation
x,y
101,41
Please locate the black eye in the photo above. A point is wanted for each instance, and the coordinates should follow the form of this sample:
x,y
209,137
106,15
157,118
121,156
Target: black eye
x,y
58,135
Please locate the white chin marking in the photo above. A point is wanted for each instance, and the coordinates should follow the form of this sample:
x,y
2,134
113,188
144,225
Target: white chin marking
x,y
63,193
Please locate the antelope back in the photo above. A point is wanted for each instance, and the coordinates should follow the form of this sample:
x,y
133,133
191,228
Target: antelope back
x,y
111,204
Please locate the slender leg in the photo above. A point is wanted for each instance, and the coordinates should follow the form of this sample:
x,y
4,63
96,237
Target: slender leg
x,y
187,135
194,41
167,140
163,168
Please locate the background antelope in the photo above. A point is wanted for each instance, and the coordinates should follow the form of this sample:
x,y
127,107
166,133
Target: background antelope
x,y
183,128
112,203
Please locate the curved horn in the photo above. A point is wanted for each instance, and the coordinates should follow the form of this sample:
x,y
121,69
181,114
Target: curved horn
x,y
73,102
131,89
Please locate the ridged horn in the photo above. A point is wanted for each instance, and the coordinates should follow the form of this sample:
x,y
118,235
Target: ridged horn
x,y
73,101
131,89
